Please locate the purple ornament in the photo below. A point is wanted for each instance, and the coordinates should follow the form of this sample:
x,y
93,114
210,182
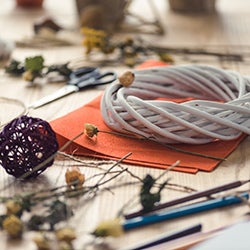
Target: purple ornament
x,y
25,143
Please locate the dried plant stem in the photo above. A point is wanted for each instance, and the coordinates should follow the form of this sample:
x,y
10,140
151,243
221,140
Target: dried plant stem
x,y
139,137
112,167
88,163
197,51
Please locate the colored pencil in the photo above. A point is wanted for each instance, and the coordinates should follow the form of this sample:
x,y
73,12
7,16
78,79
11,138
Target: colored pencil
x,y
193,196
166,237
183,211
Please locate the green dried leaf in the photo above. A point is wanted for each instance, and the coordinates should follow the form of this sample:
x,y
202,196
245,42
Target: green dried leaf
x,y
35,222
34,64
14,67
58,212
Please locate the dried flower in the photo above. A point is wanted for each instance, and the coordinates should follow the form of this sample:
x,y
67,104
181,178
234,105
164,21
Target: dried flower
x,y
63,245
74,177
66,234
90,130
13,226
127,78
28,75
13,207
96,40
41,242
109,228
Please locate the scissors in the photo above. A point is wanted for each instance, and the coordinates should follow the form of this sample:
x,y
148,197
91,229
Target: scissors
x,y
78,80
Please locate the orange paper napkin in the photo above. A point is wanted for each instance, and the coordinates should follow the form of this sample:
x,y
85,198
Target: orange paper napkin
x,y
144,153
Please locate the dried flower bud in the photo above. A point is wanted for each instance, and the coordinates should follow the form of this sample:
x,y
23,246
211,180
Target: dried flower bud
x,y
28,75
109,228
63,245
13,207
41,242
127,78
13,226
74,177
90,130
66,234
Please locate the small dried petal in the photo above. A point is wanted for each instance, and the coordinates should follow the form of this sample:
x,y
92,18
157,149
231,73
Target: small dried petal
x,y
90,130
13,207
66,234
74,177
13,226
28,75
63,245
127,78
41,242
109,228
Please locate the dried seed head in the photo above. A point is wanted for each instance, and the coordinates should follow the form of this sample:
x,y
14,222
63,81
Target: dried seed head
x,y
63,245
28,75
127,78
74,177
13,226
109,228
41,242
66,234
90,130
13,207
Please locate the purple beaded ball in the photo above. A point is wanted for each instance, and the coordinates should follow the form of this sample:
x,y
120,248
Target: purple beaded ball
x,y
25,143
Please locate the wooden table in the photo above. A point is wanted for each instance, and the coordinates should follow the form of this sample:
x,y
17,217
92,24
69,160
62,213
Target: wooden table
x,y
228,26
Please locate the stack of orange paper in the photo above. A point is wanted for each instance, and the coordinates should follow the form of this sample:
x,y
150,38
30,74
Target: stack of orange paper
x,y
144,153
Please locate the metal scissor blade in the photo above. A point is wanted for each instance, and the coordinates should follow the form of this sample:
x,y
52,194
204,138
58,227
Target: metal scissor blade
x,y
66,90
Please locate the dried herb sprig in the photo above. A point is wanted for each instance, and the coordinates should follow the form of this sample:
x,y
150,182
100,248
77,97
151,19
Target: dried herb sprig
x,y
147,201
131,49
57,210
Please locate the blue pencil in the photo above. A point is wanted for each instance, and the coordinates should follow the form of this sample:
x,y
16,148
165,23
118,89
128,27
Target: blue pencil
x,y
182,211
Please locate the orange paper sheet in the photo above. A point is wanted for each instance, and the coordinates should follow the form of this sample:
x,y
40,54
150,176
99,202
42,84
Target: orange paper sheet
x,y
144,153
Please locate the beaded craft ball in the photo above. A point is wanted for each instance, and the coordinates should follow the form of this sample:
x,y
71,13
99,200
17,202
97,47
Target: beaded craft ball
x,y
25,143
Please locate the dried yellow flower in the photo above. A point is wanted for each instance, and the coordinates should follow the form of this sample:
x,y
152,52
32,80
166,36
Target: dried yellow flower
x,y
66,234
41,242
74,177
109,228
13,207
13,226
127,78
90,130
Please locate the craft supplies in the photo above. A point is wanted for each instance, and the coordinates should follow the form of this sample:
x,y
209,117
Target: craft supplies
x,y
235,236
191,197
165,238
117,226
145,108
25,143
80,79
145,152
183,211
34,70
